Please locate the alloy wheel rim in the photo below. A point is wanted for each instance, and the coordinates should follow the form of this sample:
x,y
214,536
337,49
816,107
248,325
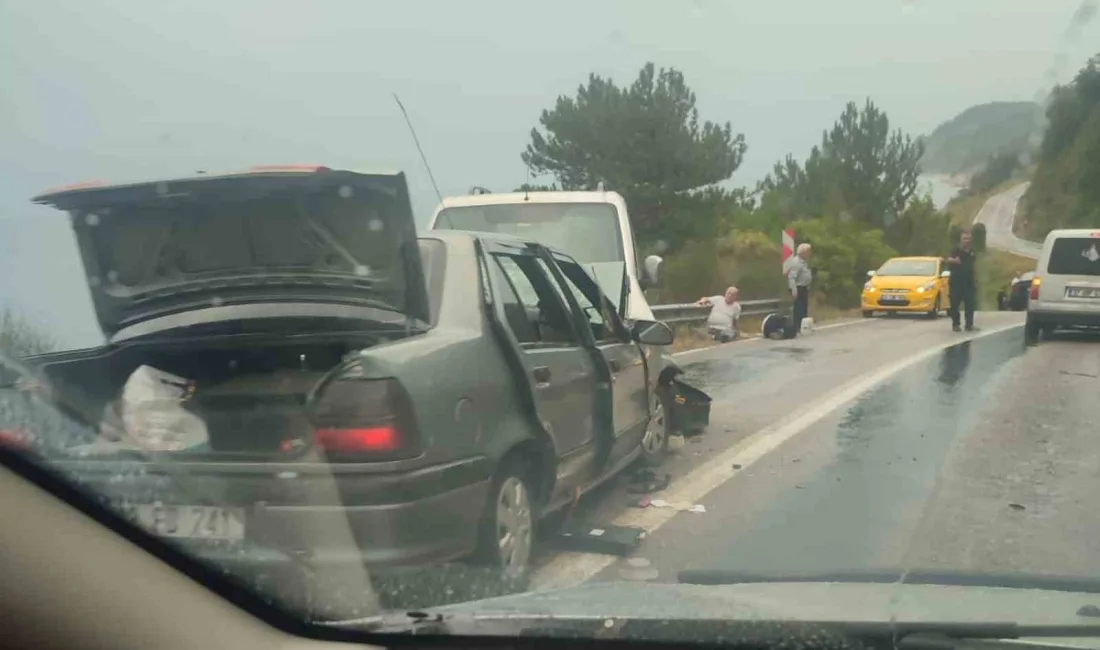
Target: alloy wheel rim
x,y
655,430
514,526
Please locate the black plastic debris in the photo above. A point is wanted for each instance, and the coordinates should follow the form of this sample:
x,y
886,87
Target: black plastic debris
x,y
1016,506
588,537
691,413
646,481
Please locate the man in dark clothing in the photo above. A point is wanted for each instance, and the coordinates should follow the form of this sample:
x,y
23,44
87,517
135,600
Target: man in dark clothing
x,y
962,284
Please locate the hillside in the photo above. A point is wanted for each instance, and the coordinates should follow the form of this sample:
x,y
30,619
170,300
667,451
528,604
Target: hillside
x,y
1064,192
967,140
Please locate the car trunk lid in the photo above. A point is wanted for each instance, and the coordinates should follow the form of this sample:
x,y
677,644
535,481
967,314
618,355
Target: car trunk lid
x,y
272,235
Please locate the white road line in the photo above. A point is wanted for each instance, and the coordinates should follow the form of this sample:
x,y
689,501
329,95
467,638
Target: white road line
x,y
570,569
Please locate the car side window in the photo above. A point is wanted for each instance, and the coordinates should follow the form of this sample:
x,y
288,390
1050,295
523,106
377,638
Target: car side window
x,y
534,311
605,323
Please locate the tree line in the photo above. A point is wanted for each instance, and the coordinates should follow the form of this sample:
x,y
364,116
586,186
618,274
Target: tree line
x,y
854,196
1064,192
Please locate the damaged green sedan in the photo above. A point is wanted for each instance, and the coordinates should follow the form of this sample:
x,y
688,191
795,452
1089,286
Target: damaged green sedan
x,y
335,387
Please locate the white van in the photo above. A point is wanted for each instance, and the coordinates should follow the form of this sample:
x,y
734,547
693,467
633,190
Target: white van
x,y
592,227
1065,291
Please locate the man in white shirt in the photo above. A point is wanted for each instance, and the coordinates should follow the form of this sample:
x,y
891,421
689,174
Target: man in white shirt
x,y
799,278
725,315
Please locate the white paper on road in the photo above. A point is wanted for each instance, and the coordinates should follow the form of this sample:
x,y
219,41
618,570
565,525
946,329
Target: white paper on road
x,y
682,507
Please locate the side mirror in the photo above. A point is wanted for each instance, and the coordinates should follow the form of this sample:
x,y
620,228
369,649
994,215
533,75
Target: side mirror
x,y
650,332
945,274
870,274
652,269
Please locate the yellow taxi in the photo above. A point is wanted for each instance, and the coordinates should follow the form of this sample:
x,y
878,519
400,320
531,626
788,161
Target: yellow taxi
x,y
907,285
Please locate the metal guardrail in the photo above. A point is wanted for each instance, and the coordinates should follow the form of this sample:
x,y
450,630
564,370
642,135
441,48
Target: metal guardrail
x,y
691,312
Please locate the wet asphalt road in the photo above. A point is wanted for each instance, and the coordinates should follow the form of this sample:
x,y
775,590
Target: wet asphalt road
x,y
998,214
980,456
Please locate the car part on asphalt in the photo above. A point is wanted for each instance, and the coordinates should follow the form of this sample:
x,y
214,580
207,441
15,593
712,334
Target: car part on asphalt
x,y
595,537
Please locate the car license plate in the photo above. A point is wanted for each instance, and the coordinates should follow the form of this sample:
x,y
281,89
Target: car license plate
x,y
191,522
891,298
1083,292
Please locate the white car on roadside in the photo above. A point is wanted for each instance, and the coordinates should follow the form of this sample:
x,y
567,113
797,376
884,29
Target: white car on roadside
x,y
1065,291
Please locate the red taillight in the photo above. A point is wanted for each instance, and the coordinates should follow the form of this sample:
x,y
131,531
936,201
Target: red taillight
x,y
382,438
370,418
16,439
1035,282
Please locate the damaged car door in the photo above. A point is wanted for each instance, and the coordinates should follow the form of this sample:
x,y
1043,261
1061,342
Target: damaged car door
x,y
562,374
627,366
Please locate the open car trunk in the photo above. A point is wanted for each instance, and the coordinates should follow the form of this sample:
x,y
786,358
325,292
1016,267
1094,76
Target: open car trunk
x,y
194,247
228,397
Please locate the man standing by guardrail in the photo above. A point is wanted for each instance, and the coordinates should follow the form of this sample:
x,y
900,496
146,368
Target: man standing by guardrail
x,y
723,323
799,279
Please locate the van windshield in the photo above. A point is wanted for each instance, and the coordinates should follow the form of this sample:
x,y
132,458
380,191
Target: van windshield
x,y
588,232
1075,256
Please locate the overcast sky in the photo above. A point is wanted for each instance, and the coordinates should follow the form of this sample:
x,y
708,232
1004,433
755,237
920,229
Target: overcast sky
x,y
124,89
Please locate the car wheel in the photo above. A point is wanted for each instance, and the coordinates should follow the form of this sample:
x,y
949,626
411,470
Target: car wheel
x,y
507,534
935,311
1031,331
867,313
658,430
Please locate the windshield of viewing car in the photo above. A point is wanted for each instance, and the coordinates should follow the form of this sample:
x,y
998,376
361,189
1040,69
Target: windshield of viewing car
x,y
308,293
589,232
920,268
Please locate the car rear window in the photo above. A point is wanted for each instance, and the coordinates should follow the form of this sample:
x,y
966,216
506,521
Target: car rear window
x,y
1075,256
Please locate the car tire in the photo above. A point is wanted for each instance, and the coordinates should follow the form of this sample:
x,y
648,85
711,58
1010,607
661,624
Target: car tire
x,y
658,430
1031,331
935,312
867,313
507,536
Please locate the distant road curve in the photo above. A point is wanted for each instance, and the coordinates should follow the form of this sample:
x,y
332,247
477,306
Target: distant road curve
x,y
997,214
